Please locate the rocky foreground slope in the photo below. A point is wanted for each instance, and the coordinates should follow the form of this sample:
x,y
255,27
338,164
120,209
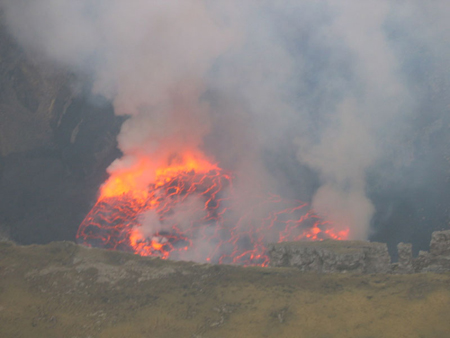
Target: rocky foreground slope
x,y
66,290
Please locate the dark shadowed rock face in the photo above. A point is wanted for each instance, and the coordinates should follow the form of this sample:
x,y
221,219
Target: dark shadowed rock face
x,y
332,256
55,146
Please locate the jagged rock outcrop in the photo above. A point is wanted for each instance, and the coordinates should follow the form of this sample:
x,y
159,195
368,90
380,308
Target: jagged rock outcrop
x,y
440,243
361,257
405,259
438,259
331,256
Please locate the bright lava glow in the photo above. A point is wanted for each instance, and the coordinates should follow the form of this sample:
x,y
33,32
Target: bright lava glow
x,y
194,216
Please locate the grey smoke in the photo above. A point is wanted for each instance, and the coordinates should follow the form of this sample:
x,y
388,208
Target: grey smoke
x,y
333,84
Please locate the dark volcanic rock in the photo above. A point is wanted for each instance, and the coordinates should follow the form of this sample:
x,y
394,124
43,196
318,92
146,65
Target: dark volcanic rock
x,y
46,192
332,256
55,146
29,95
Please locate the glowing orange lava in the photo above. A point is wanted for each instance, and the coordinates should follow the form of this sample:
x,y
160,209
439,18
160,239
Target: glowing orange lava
x,y
190,212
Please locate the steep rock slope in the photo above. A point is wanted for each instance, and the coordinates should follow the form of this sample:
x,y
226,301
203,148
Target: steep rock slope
x,y
56,141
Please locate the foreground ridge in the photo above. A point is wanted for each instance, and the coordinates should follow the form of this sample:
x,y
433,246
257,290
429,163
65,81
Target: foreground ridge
x,y
67,290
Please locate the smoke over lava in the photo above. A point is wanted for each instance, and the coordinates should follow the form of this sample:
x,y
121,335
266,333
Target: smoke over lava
x,y
188,213
300,99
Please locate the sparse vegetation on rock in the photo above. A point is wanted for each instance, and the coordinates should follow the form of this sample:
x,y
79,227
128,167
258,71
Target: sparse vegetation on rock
x,y
66,290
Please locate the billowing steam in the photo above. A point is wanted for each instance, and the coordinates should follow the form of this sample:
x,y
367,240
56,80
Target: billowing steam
x,y
253,84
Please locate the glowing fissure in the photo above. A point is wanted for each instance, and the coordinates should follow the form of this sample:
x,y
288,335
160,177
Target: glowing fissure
x,y
188,213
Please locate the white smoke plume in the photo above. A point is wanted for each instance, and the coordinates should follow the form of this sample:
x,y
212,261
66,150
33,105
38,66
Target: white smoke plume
x,y
253,83
349,144
149,57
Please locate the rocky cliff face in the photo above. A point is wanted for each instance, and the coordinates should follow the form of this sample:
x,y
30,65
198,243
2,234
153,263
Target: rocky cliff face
x,y
362,257
32,98
55,144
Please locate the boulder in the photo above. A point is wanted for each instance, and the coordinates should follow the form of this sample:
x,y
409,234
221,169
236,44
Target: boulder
x,y
440,243
438,259
405,258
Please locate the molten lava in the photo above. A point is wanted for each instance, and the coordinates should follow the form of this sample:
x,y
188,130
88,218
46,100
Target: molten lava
x,y
190,212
